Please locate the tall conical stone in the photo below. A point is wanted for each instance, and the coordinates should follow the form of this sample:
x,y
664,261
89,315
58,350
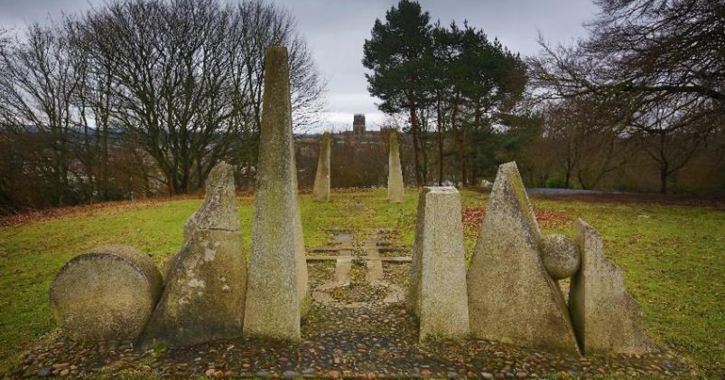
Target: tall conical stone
x,y
321,191
437,293
204,292
606,318
276,291
396,189
511,297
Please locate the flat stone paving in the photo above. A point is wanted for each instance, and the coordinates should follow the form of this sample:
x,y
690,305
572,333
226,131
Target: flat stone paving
x,y
362,331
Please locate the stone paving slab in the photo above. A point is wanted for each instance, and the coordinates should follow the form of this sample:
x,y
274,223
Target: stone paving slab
x,y
403,259
342,271
364,248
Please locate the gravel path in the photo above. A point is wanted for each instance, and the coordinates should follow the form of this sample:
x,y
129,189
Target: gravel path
x,y
358,335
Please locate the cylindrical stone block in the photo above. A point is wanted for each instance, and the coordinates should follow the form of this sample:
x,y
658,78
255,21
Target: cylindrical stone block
x,y
107,293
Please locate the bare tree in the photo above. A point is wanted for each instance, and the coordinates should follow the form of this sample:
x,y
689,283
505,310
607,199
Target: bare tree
x,y
660,61
138,93
37,86
189,79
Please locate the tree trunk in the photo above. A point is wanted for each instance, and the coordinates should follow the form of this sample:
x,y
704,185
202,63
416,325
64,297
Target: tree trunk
x,y
663,178
104,163
459,139
440,142
416,153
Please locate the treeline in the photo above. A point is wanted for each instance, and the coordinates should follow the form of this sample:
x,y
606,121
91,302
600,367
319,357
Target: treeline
x,y
636,106
140,96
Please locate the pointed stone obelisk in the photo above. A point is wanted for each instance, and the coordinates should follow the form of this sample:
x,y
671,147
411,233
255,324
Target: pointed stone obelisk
x,y
204,292
438,272
511,297
606,318
396,189
277,282
321,191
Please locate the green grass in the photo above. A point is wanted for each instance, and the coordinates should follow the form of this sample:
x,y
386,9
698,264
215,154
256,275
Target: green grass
x,y
673,258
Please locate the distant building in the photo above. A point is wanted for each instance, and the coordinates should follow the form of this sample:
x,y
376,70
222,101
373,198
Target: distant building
x,y
358,124
359,157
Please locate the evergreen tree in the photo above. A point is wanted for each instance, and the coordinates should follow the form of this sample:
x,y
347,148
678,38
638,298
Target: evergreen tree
x,y
399,55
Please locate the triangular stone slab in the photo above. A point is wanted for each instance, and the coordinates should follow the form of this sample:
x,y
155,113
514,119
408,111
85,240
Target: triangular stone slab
x,y
512,299
606,318
205,287
277,288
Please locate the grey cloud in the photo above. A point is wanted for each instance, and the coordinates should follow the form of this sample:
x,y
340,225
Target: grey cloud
x,y
336,30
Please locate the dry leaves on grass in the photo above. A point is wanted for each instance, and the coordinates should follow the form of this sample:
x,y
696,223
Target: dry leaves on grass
x,y
473,217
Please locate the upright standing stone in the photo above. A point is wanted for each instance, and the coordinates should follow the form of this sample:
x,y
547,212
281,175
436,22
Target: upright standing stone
x,y
106,293
204,293
396,192
606,318
302,280
321,191
512,298
276,291
438,273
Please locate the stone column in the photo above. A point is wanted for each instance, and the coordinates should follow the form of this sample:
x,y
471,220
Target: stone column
x,y
606,318
438,295
206,282
274,289
396,192
511,297
321,190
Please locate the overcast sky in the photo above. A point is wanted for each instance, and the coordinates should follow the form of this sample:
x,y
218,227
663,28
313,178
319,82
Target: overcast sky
x,y
336,30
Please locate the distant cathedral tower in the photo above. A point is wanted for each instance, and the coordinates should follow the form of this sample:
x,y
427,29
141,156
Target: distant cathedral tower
x,y
358,124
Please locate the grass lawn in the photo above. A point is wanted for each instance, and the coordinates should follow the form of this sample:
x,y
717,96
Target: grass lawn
x,y
673,257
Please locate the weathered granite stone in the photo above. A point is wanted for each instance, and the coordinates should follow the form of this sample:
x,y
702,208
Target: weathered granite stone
x,y
396,189
512,298
107,293
606,318
205,288
560,255
321,191
276,291
437,293
302,280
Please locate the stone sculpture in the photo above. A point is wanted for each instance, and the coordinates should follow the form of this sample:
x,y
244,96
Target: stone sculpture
x,y
437,293
204,293
277,292
560,256
605,316
321,190
107,293
511,296
396,189
304,296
